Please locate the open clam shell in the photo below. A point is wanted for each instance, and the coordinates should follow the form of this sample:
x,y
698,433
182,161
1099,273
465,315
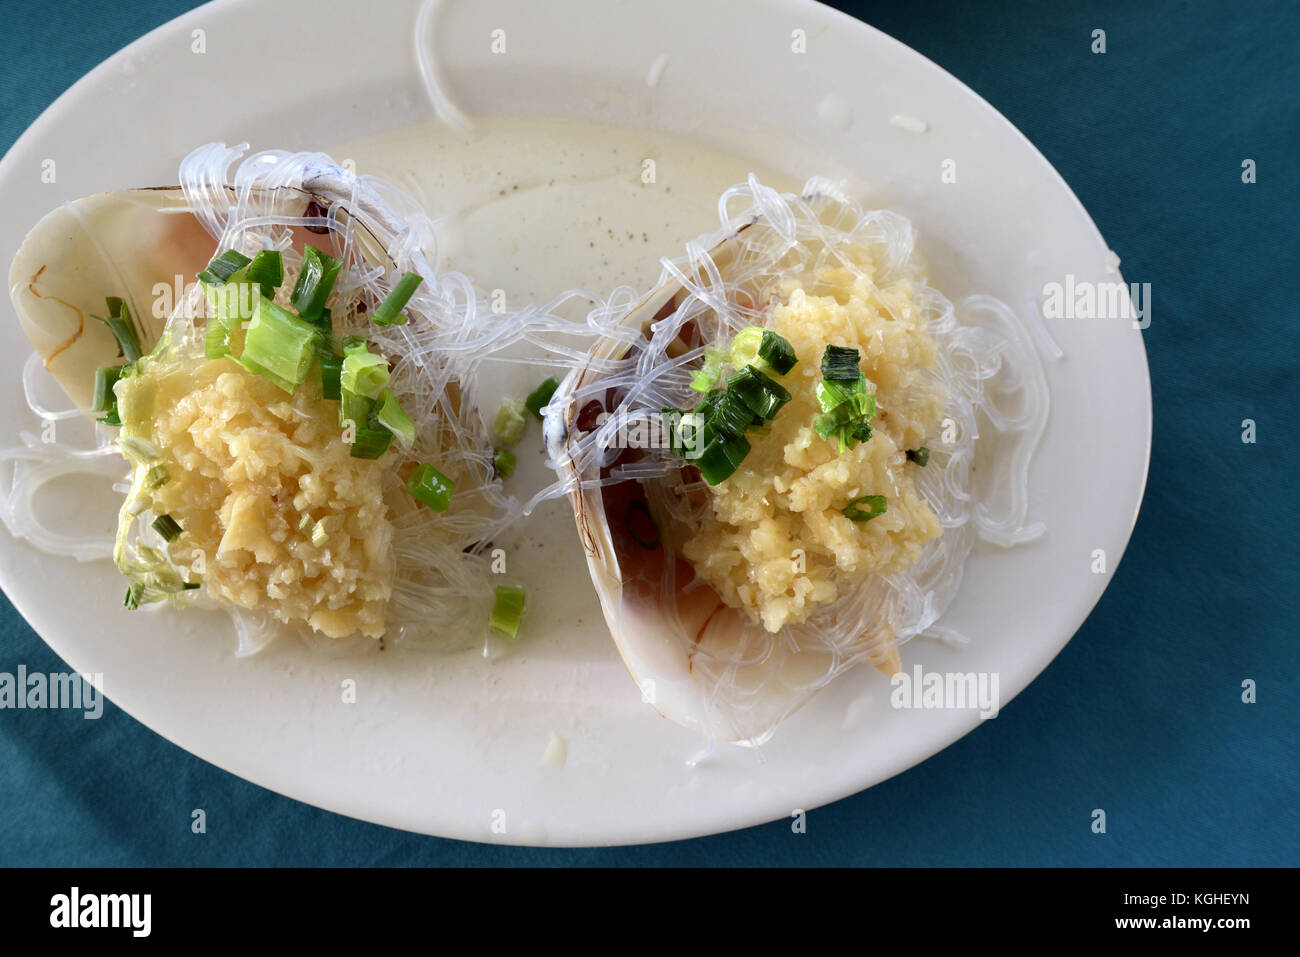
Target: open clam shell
x,y
122,243
698,661
146,245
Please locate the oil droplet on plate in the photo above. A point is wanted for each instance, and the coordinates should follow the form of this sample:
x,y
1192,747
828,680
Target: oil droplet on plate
x,y
835,111
556,753
908,124
656,70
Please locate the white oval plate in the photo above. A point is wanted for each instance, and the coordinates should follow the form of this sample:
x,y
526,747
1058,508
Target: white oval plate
x,y
453,746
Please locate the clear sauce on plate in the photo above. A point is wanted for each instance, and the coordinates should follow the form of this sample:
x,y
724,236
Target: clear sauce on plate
x,y
534,206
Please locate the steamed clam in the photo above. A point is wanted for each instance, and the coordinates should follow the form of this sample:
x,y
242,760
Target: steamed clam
x,y
336,525
731,609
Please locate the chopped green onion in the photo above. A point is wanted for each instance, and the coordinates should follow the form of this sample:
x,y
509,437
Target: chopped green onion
x,y
842,426
707,377
146,592
539,397
233,303
831,393
875,508
370,443
744,347
123,327
390,414
105,400
267,270
706,405
362,371
510,423
325,323
507,610
687,436
331,365
324,326
504,461
859,409
672,423
721,457
840,363
764,395
639,510
766,350
167,527
229,305
279,346
156,477
355,409
364,374
847,410
775,350
138,450
216,340
730,417
370,437
223,267
860,432
315,282
828,424
389,312
431,487
920,456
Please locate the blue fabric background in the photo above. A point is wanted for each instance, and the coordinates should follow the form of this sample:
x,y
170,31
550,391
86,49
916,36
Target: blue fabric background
x,y
1140,715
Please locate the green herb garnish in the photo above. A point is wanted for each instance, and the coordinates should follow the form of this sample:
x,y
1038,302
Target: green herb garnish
x,y
875,507
123,327
389,312
431,487
510,423
539,397
507,610
504,462
315,282
840,364
279,346
167,527
223,267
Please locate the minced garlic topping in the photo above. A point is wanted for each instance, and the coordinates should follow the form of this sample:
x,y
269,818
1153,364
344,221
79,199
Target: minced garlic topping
x,y
275,512
789,493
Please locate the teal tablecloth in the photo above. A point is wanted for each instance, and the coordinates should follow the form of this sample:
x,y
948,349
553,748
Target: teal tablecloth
x,y
1141,714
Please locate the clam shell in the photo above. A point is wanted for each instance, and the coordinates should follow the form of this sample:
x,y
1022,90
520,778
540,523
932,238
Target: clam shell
x,y
120,243
134,244
676,636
